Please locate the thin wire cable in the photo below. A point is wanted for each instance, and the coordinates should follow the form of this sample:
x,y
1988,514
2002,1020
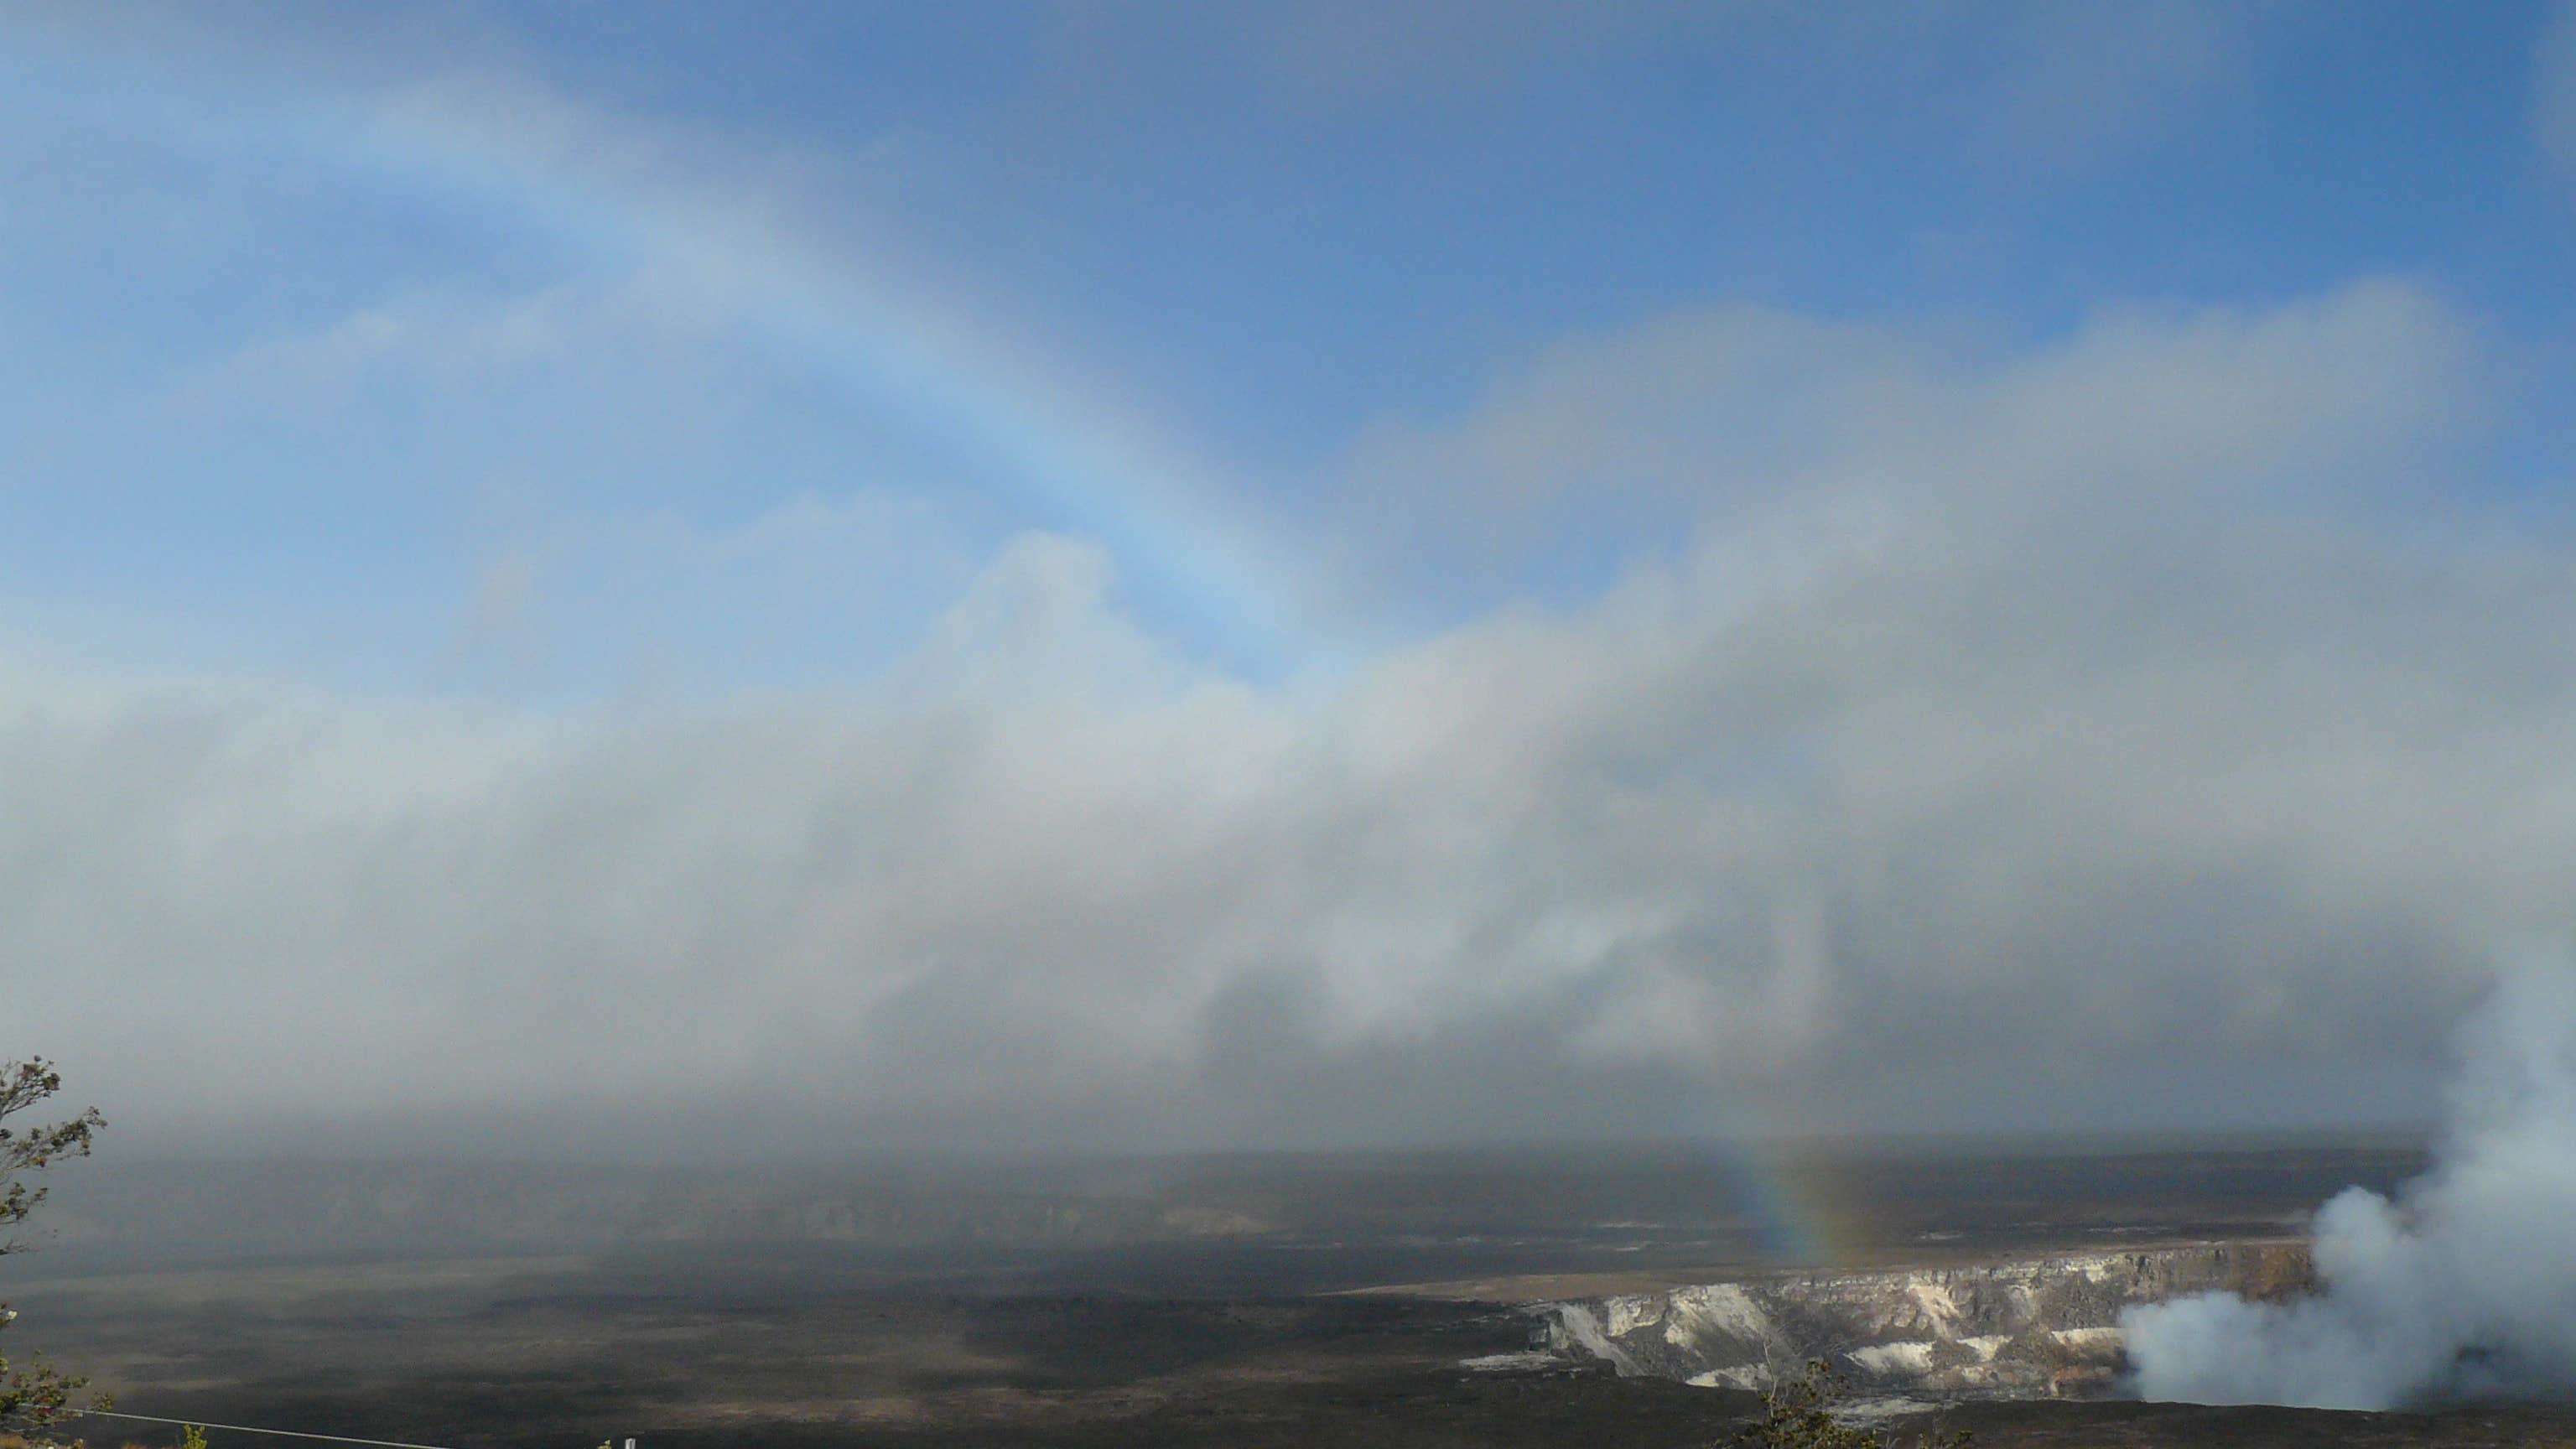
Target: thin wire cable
x,y
250,1429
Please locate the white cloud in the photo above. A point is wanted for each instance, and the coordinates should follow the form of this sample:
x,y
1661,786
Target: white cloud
x,y
1710,419
2061,743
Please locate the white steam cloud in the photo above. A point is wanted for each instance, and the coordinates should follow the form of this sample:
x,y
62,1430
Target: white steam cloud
x,y
2465,1285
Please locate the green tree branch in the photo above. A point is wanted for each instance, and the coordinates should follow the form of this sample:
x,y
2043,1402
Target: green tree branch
x,y
39,1397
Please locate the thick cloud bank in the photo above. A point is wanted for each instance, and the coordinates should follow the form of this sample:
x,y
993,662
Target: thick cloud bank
x,y
2131,724
2465,1284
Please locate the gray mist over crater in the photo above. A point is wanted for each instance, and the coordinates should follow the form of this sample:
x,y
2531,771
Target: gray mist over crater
x,y
2463,1284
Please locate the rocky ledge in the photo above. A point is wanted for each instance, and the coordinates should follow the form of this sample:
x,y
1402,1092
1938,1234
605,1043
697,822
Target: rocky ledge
x,y
2023,1328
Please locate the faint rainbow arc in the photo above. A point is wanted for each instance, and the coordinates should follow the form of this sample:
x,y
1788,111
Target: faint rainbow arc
x,y
1159,509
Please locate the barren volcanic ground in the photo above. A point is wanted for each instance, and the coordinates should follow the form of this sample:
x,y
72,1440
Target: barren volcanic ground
x,y
1238,1302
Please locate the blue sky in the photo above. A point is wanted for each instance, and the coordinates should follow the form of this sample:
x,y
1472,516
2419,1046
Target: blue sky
x,y
1527,566
1222,241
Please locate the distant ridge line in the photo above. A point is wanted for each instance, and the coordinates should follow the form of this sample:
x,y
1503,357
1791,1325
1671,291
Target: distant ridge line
x,y
253,1429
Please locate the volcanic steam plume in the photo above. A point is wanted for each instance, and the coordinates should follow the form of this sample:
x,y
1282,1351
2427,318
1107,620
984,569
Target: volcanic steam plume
x,y
2464,1285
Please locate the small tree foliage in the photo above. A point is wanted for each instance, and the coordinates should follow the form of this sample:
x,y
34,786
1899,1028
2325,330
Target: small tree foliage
x,y
1798,1414
36,1398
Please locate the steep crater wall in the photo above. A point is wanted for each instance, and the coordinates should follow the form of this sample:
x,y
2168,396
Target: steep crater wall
x,y
2027,1327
